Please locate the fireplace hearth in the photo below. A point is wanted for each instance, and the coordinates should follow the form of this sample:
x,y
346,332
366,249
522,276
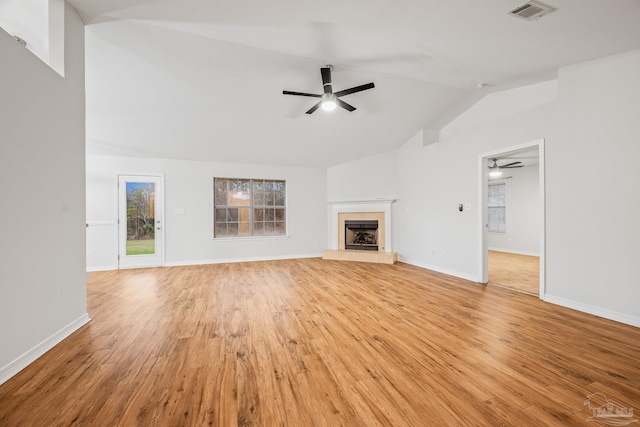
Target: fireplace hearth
x,y
361,231
361,235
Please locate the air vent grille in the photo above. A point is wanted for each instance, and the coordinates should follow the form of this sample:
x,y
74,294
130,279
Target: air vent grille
x,y
531,10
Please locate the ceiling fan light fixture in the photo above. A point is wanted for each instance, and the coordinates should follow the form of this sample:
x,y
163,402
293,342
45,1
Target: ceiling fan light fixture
x,y
329,102
494,171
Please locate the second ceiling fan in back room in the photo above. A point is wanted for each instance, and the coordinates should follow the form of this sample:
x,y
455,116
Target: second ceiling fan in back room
x,y
329,100
496,170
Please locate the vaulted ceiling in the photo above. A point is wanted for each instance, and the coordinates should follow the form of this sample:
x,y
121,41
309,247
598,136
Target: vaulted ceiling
x,y
203,79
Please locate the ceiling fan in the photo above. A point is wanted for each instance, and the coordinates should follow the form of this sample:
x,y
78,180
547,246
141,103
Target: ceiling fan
x,y
496,170
329,100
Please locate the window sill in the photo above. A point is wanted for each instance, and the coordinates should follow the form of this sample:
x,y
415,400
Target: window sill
x,y
249,238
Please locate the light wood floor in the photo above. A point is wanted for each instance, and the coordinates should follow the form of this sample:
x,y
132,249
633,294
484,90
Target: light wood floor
x,y
327,343
519,272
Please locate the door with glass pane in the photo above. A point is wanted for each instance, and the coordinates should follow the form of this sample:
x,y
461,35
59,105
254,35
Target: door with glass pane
x,y
140,222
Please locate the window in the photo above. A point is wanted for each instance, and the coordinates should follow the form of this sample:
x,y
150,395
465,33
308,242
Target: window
x,y
249,207
497,208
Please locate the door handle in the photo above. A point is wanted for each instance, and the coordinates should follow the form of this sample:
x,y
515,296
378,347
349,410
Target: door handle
x,y
158,228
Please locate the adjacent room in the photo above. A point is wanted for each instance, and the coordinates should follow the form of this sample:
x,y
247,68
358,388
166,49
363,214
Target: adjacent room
x,y
325,213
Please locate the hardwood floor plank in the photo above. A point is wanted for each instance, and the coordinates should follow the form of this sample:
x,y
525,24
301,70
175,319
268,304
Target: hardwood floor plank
x,y
515,271
315,342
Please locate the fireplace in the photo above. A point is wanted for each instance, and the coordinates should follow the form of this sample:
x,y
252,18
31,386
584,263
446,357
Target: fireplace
x,y
361,231
361,235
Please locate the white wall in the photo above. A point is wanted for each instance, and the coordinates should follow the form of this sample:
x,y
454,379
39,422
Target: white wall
x,y
593,189
371,178
522,234
429,182
40,23
435,179
189,186
498,105
592,134
42,274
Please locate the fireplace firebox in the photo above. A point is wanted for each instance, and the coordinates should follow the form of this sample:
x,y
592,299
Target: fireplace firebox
x,y
361,235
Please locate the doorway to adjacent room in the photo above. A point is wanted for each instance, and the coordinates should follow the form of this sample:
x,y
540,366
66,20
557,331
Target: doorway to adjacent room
x,y
505,259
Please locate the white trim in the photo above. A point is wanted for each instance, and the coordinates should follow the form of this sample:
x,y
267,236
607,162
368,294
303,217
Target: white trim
x,y
101,223
446,271
482,215
234,260
379,205
117,176
12,368
362,202
108,267
596,311
543,219
249,238
511,251
210,261
102,268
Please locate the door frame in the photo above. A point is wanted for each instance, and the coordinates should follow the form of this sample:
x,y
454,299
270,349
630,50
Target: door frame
x,y
482,216
160,207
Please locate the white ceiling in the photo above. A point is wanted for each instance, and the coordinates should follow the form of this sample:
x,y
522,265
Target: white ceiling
x,y
203,79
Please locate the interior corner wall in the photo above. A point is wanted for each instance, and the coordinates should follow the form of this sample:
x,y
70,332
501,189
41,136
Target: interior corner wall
x,y
522,190
42,129
372,178
188,223
592,203
434,180
593,196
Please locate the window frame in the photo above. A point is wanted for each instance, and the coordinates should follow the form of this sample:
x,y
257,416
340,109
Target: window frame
x,y
256,201
502,206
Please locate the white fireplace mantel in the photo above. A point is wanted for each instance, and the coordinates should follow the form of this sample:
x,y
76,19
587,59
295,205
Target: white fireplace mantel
x,y
378,205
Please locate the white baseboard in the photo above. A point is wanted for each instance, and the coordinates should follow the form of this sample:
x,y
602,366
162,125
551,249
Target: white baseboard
x,y
230,260
596,311
440,269
511,251
12,368
102,268
211,261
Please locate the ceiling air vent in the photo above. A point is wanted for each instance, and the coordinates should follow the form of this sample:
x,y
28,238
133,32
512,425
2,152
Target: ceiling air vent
x,y
531,10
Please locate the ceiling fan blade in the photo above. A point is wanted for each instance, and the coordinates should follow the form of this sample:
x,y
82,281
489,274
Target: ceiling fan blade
x,y
355,89
314,108
508,165
511,167
326,79
344,105
313,95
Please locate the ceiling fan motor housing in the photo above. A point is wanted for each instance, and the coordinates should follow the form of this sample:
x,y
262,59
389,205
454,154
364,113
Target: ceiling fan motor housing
x,y
329,100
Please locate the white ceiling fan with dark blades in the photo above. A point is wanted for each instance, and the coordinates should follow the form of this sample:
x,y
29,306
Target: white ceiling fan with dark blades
x,y
329,100
496,170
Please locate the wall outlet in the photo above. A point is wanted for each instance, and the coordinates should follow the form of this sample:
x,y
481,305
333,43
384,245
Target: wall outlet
x,y
89,254
190,248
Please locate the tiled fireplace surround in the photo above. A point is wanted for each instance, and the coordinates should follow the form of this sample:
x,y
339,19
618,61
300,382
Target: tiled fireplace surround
x,y
379,210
